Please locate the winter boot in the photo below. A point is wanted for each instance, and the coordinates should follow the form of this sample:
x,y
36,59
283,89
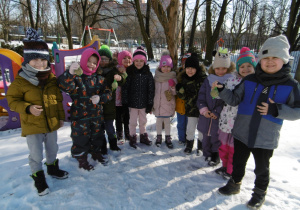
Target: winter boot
x,y
97,156
54,171
257,200
104,148
158,140
113,144
132,141
40,183
169,142
144,139
127,135
189,147
215,159
230,188
221,170
83,163
119,135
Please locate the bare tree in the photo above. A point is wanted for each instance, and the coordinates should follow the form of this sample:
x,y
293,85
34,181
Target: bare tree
x,y
182,28
5,9
169,20
292,31
194,24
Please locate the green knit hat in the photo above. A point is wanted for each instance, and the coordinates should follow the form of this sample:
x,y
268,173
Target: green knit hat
x,y
104,51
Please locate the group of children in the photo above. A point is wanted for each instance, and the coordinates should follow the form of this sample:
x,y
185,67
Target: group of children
x,y
237,109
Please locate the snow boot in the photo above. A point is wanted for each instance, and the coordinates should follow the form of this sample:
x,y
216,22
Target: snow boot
x,y
215,159
54,171
144,139
97,156
168,139
83,163
113,144
189,147
221,170
230,188
257,200
119,135
132,141
158,140
40,183
127,135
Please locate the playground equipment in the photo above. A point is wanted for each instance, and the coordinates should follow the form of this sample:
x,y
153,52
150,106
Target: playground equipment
x,y
11,61
59,67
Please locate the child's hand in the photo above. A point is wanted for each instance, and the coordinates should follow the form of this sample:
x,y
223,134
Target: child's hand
x,y
95,99
117,77
207,114
73,67
264,108
36,110
61,123
213,116
122,69
216,84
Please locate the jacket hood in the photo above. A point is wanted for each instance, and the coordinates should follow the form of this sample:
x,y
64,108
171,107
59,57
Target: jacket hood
x,y
84,59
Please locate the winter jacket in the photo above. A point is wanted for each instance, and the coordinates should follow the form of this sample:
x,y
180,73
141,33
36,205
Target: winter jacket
x,y
81,89
180,104
252,128
163,107
228,114
138,90
109,108
188,90
21,94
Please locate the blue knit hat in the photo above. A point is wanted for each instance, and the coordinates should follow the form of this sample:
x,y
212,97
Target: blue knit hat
x,y
246,56
34,47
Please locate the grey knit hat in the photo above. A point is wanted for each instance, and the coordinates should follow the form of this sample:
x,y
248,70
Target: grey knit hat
x,y
277,46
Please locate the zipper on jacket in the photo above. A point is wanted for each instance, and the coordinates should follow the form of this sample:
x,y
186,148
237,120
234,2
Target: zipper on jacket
x,y
140,90
254,93
274,93
43,105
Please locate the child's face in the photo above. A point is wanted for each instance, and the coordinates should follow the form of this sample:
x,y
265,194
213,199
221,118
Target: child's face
x,y
165,69
38,63
139,63
271,65
220,71
190,71
246,69
92,63
126,61
104,61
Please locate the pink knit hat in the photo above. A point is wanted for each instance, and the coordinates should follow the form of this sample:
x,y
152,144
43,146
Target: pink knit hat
x,y
140,53
166,60
122,55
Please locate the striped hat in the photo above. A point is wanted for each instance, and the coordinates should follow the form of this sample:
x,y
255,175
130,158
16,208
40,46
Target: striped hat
x,y
246,56
34,47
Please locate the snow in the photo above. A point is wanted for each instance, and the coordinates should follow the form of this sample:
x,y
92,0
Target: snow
x,y
146,178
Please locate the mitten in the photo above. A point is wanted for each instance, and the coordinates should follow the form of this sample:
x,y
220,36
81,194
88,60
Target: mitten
x,y
273,109
75,69
95,99
114,85
171,83
149,108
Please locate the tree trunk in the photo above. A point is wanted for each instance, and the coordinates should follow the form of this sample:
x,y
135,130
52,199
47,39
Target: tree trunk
x,y
30,14
191,43
293,24
182,28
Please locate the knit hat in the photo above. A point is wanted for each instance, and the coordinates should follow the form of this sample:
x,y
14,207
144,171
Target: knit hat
x,y
192,61
122,55
246,56
34,47
84,59
105,51
277,46
140,53
222,58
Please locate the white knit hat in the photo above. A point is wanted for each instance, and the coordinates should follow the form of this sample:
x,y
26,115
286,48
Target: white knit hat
x,y
277,46
222,58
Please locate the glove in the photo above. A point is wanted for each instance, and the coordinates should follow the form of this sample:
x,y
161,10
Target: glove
x,y
171,83
74,68
273,109
95,99
149,108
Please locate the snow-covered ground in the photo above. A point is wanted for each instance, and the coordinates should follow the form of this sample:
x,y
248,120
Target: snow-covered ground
x,y
146,178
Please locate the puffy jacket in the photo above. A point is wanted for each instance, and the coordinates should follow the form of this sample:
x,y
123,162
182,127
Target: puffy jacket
x,y
22,94
180,104
138,90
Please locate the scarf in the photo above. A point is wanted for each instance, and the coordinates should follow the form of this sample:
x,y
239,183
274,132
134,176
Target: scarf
x,y
273,79
164,77
35,76
212,78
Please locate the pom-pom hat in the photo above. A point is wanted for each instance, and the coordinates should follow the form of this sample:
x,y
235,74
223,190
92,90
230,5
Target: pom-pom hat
x,y
166,60
192,61
140,53
34,47
246,56
105,51
222,58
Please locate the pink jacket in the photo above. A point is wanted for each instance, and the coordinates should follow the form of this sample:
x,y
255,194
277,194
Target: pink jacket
x,y
163,107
